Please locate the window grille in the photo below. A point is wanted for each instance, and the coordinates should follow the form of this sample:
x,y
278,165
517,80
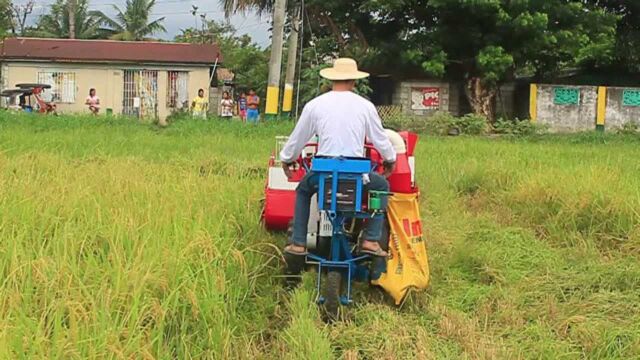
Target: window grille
x,y
178,90
566,96
140,93
631,97
63,86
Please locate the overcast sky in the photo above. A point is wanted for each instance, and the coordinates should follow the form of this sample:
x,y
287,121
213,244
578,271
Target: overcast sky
x,y
178,16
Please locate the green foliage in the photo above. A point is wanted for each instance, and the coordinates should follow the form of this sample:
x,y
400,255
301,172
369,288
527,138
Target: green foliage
x,y
462,40
493,63
630,128
55,24
435,65
243,6
626,54
518,127
496,39
5,17
132,23
472,124
441,123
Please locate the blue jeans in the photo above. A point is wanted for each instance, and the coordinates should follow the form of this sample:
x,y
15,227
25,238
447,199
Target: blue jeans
x,y
309,186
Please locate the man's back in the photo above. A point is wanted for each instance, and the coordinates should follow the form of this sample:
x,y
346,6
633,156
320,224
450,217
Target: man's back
x,y
342,120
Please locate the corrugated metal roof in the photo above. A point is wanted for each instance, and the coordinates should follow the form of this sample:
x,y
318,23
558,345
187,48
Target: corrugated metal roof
x,y
108,51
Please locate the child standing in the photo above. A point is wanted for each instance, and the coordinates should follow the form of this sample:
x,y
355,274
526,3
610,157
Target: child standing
x,y
226,106
242,107
253,105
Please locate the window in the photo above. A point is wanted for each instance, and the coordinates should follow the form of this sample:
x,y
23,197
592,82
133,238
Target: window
x,y
566,96
63,86
178,90
140,93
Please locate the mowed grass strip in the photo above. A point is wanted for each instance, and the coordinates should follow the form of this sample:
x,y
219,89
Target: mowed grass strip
x,y
122,240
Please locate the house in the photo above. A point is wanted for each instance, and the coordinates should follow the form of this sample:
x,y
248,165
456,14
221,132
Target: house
x,y
144,79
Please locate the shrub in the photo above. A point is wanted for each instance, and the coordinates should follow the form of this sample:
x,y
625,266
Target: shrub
x,y
440,123
518,127
472,124
410,123
629,128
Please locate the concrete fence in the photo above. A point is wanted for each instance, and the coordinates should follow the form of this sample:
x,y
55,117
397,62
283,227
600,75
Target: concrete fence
x,y
577,108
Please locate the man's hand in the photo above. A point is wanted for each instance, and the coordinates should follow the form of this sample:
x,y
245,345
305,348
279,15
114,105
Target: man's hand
x,y
287,169
388,166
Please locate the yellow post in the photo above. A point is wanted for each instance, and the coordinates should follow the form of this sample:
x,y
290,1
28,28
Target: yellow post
x,y
273,93
287,103
275,61
533,102
602,108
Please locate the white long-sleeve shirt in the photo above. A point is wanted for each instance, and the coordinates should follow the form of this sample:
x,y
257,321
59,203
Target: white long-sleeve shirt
x,y
341,120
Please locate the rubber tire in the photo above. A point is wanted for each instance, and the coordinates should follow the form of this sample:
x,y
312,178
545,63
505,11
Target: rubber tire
x,y
386,233
384,244
332,294
293,267
323,247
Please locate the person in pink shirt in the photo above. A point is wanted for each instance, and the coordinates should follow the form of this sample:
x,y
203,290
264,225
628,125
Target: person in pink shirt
x,y
93,101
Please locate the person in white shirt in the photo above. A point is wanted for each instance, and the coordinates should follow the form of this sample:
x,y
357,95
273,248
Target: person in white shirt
x,y
342,120
226,106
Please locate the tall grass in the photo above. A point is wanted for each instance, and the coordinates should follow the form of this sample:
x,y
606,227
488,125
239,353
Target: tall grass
x,y
122,240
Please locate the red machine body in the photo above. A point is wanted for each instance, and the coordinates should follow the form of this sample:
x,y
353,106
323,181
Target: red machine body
x,y
280,192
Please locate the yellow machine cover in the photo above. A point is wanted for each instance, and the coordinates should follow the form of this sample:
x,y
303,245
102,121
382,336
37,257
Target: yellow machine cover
x,y
408,265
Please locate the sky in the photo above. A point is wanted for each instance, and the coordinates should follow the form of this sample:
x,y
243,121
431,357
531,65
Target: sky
x,y
178,16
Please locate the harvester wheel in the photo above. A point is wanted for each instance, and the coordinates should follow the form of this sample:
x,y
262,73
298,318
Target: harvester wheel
x,y
379,265
332,295
386,233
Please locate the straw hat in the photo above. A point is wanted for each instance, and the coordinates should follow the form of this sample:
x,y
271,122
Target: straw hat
x,y
343,69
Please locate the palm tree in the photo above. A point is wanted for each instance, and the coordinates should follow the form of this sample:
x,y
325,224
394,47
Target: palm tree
x,y
133,24
234,6
55,24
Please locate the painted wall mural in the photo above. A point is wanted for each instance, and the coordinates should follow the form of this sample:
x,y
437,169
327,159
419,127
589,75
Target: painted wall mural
x,y
427,98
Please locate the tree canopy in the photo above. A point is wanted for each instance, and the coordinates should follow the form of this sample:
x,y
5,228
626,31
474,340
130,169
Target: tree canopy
x,y
5,17
246,59
133,23
482,43
55,24
626,57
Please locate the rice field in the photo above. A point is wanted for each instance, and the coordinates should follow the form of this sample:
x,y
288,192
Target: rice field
x,y
120,240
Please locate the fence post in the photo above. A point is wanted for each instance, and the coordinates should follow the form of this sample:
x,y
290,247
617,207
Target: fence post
x,y
602,108
533,102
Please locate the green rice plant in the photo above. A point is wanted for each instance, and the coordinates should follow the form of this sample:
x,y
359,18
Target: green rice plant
x,y
127,240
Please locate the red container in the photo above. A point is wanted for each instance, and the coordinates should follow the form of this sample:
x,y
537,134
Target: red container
x,y
278,208
411,139
400,179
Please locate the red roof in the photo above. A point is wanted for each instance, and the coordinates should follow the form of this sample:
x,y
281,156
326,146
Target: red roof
x,y
108,51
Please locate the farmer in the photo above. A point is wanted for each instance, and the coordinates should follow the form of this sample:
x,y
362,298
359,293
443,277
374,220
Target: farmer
x,y
253,103
93,101
200,105
341,119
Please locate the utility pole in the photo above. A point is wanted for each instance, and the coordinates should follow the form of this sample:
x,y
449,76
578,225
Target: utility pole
x,y
287,101
71,4
275,63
